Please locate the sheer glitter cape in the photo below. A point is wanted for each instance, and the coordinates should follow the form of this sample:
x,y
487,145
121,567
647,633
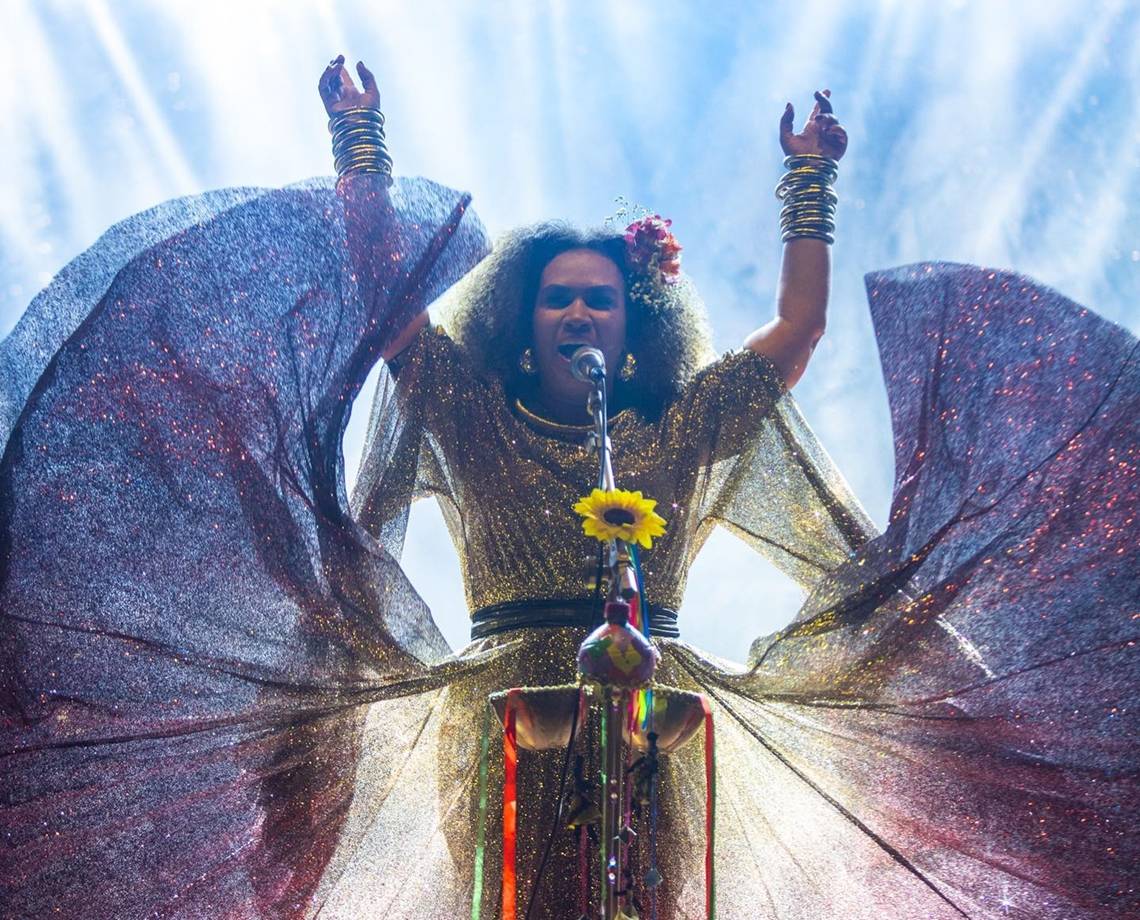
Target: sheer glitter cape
x,y
218,688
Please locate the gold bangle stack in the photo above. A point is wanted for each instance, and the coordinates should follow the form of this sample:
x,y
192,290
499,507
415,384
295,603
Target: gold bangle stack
x,y
809,202
358,142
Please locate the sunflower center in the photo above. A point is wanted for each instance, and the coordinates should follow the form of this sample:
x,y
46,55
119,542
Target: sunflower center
x,y
618,517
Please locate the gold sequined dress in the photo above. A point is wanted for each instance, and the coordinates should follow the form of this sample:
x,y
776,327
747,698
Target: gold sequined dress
x,y
221,697
507,479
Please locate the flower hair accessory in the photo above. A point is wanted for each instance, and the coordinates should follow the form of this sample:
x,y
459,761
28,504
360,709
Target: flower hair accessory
x,y
650,245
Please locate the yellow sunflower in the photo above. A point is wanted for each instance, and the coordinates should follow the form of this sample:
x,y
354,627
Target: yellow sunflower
x,y
620,515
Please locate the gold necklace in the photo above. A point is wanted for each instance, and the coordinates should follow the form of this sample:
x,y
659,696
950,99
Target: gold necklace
x,y
541,421
559,427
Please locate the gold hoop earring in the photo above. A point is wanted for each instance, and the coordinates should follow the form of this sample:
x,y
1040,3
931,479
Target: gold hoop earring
x,y
526,363
628,368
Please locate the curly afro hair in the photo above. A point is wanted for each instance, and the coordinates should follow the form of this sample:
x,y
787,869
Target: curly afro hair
x,y
489,315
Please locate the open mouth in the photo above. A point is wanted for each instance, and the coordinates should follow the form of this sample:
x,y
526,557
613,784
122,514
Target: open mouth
x,y
567,349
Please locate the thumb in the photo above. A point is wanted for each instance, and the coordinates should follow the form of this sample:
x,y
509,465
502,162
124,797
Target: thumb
x,y
787,121
367,80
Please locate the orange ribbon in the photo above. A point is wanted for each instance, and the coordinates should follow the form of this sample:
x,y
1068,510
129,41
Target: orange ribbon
x,y
510,807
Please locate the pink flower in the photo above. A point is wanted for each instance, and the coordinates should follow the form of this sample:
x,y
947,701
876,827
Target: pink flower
x,y
649,243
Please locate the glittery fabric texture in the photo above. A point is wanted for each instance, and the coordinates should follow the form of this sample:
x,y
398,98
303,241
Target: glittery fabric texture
x,y
188,609
507,482
222,698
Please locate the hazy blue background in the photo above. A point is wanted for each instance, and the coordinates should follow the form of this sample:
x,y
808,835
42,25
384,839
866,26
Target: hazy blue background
x,y
1003,133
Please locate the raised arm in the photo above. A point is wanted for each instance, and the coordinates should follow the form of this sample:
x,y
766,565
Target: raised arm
x,y
805,276
357,126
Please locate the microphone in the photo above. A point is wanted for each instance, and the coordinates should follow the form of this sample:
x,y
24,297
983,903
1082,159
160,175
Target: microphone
x,y
588,364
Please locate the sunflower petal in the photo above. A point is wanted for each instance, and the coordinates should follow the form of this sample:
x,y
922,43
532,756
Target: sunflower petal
x,y
646,523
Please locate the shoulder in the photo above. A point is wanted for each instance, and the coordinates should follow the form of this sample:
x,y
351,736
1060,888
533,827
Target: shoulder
x,y
440,372
431,345
737,375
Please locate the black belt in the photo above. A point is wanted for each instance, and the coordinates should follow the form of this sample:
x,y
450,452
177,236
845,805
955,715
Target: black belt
x,y
582,612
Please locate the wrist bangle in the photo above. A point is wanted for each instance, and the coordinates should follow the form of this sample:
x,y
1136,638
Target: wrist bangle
x,y
358,142
809,201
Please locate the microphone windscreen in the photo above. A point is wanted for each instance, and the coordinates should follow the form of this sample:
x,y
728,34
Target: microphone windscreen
x,y
588,364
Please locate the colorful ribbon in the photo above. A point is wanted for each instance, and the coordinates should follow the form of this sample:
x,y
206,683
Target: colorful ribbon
x,y
643,699
510,807
481,833
710,811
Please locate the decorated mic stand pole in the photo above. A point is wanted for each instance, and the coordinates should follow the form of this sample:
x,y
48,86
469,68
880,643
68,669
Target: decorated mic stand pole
x,y
637,721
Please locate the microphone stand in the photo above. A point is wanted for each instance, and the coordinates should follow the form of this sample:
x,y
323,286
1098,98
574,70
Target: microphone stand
x,y
612,684
624,579
615,838
599,437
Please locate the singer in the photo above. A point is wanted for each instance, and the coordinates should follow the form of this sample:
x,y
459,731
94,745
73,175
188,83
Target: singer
x,y
222,697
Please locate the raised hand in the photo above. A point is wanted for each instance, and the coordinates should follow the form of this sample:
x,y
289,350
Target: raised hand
x,y
821,135
338,92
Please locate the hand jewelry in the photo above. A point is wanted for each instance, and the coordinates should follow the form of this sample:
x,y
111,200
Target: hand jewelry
x,y
809,202
358,141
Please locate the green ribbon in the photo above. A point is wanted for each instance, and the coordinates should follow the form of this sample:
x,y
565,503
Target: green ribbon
x,y
481,834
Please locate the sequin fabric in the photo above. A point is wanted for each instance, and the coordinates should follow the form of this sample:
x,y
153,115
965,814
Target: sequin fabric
x,y
222,698
506,477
